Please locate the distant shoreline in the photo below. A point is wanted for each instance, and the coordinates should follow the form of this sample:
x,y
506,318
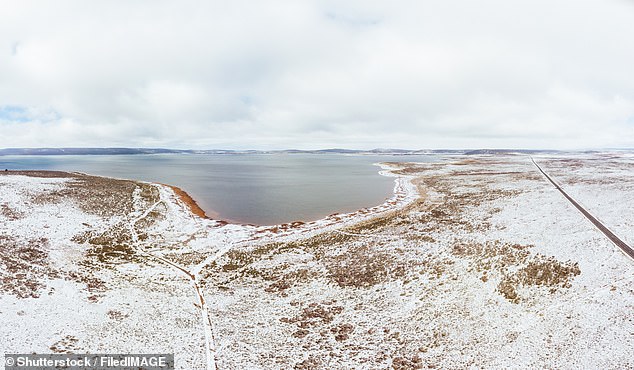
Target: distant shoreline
x,y
135,151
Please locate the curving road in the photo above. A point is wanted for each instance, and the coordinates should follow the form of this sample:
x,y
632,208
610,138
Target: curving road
x,y
613,238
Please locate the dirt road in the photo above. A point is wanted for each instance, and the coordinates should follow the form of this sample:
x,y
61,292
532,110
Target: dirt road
x,y
615,239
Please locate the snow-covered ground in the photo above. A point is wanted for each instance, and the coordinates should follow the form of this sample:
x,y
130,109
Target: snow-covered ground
x,y
475,262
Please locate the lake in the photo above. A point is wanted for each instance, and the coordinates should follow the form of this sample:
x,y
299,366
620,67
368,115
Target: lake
x,y
261,189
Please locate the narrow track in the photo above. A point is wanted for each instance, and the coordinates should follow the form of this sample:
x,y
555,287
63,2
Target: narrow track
x,y
599,225
208,329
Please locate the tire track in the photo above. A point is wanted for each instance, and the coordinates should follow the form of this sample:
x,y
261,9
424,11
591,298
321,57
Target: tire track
x,y
599,225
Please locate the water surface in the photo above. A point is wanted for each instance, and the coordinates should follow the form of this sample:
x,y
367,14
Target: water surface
x,y
262,189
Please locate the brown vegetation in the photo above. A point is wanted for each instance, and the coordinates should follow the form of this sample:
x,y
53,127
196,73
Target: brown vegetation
x,y
101,196
10,213
68,344
363,266
411,363
25,267
516,266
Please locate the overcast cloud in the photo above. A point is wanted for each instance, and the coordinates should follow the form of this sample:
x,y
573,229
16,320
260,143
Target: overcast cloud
x,y
315,74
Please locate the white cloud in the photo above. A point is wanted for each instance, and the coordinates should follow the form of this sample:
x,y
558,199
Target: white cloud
x,y
277,74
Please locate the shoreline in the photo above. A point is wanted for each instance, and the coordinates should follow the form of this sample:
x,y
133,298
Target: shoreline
x,y
190,202
403,192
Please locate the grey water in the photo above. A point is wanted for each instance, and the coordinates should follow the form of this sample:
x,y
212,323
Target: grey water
x,y
260,189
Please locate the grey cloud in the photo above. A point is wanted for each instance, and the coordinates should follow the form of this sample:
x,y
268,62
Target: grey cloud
x,y
358,74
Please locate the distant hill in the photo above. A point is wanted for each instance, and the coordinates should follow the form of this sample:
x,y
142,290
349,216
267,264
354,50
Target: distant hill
x,y
509,151
84,151
132,151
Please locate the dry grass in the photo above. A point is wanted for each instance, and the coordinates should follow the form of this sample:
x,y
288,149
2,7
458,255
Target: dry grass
x,y
95,287
116,315
365,265
541,271
10,213
515,267
25,264
25,267
39,174
101,196
68,344
109,247
285,281
239,259
311,363
403,363
318,318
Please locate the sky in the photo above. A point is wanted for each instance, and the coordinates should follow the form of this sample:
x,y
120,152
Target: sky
x,y
279,74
